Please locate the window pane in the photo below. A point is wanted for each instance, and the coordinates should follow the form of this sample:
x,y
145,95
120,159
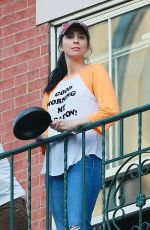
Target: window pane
x,y
131,27
99,43
131,57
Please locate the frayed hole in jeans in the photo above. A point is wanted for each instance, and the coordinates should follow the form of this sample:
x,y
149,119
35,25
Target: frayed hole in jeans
x,y
75,227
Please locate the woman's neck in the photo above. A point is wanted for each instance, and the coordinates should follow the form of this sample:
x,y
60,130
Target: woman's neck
x,y
74,67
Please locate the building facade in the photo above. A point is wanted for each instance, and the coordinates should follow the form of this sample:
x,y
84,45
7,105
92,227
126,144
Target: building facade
x,y
28,50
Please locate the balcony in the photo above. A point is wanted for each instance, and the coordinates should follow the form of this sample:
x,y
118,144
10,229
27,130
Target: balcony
x,y
119,172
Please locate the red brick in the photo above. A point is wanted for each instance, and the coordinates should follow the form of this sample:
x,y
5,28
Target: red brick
x,y
14,6
12,50
14,28
1,32
24,184
42,90
35,225
9,72
31,22
8,145
34,74
0,101
20,68
43,198
34,95
38,62
17,16
7,136
20,79
14,92
38,214
28,55
44,72
1,12
24,99
9,40
11,114
35,182
43,28
7,62
36,192
7,105
31,2
35,203
6,84
15,70
2,42
34,151
19,143
4,2
20,47
36,169
6,20
36,159
27,13
27,34
37,84
20,164
42,179
3,127
21,156
21,175
38,41
37,103
1,76
19,36
43,224
44,49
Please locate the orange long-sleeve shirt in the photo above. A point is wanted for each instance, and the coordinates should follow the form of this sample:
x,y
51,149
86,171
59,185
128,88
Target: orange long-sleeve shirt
x,y
99,84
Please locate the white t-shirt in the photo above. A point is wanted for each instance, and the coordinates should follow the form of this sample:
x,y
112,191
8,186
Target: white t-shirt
x,y
5,182
71,99
88,94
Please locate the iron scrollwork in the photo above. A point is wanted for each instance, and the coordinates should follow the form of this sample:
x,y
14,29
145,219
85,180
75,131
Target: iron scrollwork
x,y
134,170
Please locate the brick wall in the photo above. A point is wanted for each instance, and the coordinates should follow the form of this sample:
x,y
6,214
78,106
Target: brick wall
x,y
23,74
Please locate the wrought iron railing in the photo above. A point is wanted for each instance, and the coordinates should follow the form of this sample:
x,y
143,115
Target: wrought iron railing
x,y
126,170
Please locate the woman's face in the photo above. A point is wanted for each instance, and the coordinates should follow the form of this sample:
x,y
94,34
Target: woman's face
x,y
74,43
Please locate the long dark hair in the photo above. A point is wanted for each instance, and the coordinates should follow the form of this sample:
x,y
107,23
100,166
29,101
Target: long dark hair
x,y
60,71
57,74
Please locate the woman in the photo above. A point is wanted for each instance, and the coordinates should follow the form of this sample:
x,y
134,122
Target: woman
x,y
76,94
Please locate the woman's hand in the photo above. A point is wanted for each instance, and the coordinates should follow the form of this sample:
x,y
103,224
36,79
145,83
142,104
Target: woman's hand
x,y
68,125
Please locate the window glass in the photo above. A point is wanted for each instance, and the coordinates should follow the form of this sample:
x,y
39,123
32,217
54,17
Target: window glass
x,y
99,43
130,76
130,70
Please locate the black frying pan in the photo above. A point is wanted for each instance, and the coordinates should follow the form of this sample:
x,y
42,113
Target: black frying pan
x,y
31,123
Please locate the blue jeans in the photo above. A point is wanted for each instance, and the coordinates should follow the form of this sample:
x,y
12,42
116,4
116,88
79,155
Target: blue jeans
x,y
93,185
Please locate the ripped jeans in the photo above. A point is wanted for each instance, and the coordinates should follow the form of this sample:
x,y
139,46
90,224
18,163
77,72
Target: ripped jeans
x,y
93,184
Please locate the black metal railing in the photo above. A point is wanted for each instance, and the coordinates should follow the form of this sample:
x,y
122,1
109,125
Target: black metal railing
x,y
114,200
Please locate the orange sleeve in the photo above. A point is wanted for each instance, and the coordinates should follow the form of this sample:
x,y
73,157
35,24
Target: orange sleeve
x,y
101,86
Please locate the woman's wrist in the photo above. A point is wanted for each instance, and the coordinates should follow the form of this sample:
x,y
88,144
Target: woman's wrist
x,y
82,121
